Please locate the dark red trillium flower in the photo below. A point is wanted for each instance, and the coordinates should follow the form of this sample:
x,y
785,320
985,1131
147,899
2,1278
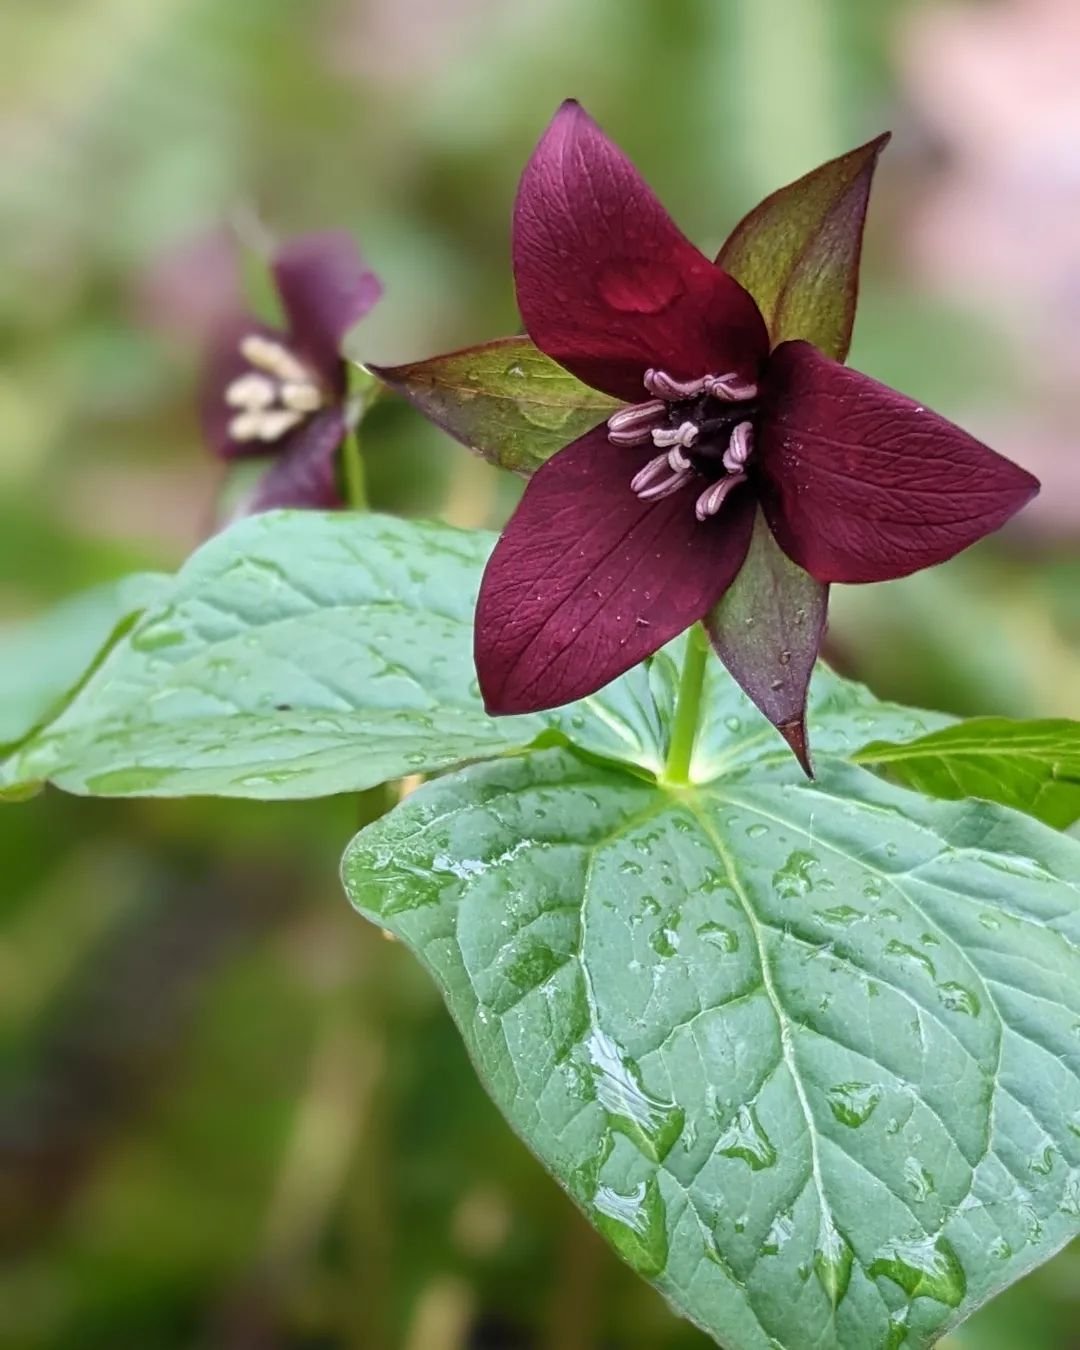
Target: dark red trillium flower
x,y
282,394
633,532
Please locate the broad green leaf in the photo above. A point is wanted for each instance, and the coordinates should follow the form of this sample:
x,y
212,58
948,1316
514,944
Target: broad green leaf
x,y
767,631
505,399
807,1054
42,661
1032,766
629,720
298,654
798,252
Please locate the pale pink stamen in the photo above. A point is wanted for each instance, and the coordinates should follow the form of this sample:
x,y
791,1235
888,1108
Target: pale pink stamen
x,y
739,447
666,489
634,425
658,479
712,499
665,386
684,435
730,388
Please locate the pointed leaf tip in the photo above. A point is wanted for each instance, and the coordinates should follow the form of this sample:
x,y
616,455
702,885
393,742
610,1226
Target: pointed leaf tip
x,y
798,252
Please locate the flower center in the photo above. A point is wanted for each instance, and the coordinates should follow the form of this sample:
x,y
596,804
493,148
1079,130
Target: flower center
x,y
704,429
274,395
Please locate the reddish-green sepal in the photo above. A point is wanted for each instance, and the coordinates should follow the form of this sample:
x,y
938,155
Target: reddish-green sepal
x,y
798,252
504,399
767,629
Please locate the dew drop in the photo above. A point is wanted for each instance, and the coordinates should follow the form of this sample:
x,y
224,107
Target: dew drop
x,y
744,1138
919,1179
664,942
780,1231
894,947
652,1124
898,1330
833,1260
843,914
719,936
853,1103
1070,1195
635,1223
958,998
797,877
923,1268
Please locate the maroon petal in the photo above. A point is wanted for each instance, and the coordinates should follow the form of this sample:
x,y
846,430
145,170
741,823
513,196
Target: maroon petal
x,y
304,474
223,365
863,484
767,630
607,284
325,288
587,580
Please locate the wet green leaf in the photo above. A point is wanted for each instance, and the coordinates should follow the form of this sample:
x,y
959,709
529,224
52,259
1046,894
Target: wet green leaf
x,y
298,655
505,399
807,1054
1032,766
798,252
629,719
42,661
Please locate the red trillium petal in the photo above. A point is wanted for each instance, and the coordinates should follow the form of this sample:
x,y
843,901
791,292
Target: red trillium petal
x,y
607,284
588,580
224,364
325,288
860,483
304,474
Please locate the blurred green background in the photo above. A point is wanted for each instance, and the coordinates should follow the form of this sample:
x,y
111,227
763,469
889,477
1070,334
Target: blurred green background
x,y
233,1115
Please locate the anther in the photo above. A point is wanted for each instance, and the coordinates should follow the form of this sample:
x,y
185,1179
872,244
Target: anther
x,y
650,483
272,357
669,486
276,423
246,425
739,447
713,498
301,397
685,435
665,386
730,388
633,426
250,391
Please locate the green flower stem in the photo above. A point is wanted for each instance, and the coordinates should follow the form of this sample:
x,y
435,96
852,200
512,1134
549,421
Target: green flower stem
x,y
684,727
353,470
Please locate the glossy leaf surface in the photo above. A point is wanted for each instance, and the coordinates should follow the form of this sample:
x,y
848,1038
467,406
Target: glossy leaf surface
x,y
806,1054
1032,766
298,655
